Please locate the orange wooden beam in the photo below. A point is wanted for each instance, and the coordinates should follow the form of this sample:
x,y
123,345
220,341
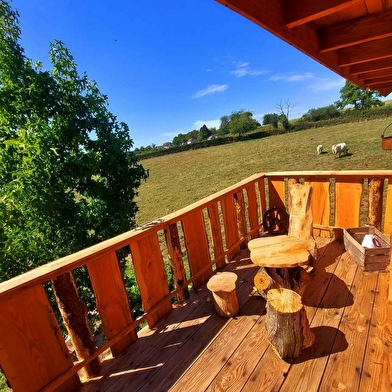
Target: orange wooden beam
x,y
298,13
376,74
374,81
357,31
369,66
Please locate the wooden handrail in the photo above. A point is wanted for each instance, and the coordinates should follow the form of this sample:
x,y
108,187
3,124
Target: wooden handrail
x,y
235,215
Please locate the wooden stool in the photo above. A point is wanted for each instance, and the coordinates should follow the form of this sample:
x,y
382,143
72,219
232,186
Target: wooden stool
x,y
222,286
287,325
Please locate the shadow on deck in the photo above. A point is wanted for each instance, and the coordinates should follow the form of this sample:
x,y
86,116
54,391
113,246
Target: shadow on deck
x,y
193,349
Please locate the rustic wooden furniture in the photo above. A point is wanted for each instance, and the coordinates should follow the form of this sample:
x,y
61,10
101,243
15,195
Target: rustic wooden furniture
x,y
33,354
281,278
222,286
287,324
282,257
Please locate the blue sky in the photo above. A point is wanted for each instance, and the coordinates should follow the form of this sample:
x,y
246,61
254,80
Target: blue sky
x,y
169,67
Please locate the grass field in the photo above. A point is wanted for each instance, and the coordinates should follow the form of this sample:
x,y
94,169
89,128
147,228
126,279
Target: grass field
x,y
178,180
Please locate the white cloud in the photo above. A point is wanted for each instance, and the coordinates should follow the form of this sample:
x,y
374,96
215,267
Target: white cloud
x,y
242,69
208,123
211,89
326,84
292,77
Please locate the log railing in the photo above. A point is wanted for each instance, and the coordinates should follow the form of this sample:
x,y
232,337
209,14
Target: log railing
x,y
194,241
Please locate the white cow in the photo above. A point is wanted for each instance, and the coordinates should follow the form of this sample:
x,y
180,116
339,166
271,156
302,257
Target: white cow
x,y
319,149
338,149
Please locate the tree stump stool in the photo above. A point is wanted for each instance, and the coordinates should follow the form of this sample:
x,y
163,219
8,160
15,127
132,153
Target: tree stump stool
x,y
287,324
223,288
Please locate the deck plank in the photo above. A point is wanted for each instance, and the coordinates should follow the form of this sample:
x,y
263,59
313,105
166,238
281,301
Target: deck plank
x,y
377,369
210,362
353,329
324,324
193,349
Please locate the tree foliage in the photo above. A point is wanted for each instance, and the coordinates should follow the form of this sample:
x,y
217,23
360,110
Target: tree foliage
x,y
352,95
323,113
271,119
68,177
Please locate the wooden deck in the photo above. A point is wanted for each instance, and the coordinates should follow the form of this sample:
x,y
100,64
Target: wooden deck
x,y
195,350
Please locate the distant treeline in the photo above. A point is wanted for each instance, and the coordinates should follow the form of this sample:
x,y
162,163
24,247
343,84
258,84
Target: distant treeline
x,y
314,118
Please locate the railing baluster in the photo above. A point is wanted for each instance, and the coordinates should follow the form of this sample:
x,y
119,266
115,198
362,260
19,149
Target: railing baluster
x,y
375,202
230,224
388,211
216,233
32,349
240,217
276,193
150,275
196,245
74,313
321,206
112,300
176,261
348,194
252,209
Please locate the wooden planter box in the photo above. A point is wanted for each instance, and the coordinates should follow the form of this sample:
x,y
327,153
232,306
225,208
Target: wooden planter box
x,y
370,259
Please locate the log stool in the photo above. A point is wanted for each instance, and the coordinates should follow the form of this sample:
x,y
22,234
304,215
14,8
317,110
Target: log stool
x,y
222,286
287,325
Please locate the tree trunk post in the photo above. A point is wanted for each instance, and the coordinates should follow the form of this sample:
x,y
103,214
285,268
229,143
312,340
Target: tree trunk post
x,y
74,313
287,324
223,288
375,202
176,262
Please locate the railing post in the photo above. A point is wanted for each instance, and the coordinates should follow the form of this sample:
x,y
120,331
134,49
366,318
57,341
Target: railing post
x,y
241,219
375,202
176,261
74,313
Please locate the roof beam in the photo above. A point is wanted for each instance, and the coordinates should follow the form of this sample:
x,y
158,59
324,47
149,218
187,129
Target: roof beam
x,y
372,82
365,29
364,52
382,87
374,65
304,11
270,16
375,74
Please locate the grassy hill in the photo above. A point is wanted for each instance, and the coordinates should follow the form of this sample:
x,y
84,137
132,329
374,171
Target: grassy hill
x,y
178,180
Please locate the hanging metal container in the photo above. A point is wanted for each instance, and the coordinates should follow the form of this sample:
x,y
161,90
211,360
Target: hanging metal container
x,y
386,141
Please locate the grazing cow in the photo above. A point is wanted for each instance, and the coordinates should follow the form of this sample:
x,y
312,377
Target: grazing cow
x,y
338,149
319,149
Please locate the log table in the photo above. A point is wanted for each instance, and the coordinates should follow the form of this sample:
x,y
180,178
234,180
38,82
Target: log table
x,y
282,277
282,260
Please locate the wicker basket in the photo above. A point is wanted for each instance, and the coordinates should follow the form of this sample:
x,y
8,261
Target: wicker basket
x,y
370,259
386,141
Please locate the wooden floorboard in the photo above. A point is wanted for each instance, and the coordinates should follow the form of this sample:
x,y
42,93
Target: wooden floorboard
x,y
193,349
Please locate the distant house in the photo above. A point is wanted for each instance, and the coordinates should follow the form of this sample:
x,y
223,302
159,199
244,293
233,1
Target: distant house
x,y
167,145
212,137
192,140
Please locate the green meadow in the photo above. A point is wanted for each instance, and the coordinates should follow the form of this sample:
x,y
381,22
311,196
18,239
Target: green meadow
x,y
177,180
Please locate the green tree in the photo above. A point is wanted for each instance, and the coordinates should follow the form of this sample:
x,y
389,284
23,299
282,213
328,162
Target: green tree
x,y
352,95
271,119
242,122
224,125
204,133
68,177
323,113
179,140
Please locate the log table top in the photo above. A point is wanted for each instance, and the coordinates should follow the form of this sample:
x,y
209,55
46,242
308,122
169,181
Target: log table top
x,y
280,251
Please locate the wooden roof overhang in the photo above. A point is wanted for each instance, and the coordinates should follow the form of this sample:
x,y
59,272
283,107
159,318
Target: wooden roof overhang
x,y
351,37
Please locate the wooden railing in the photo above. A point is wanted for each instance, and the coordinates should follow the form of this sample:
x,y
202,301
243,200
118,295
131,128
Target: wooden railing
x,y
195,241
